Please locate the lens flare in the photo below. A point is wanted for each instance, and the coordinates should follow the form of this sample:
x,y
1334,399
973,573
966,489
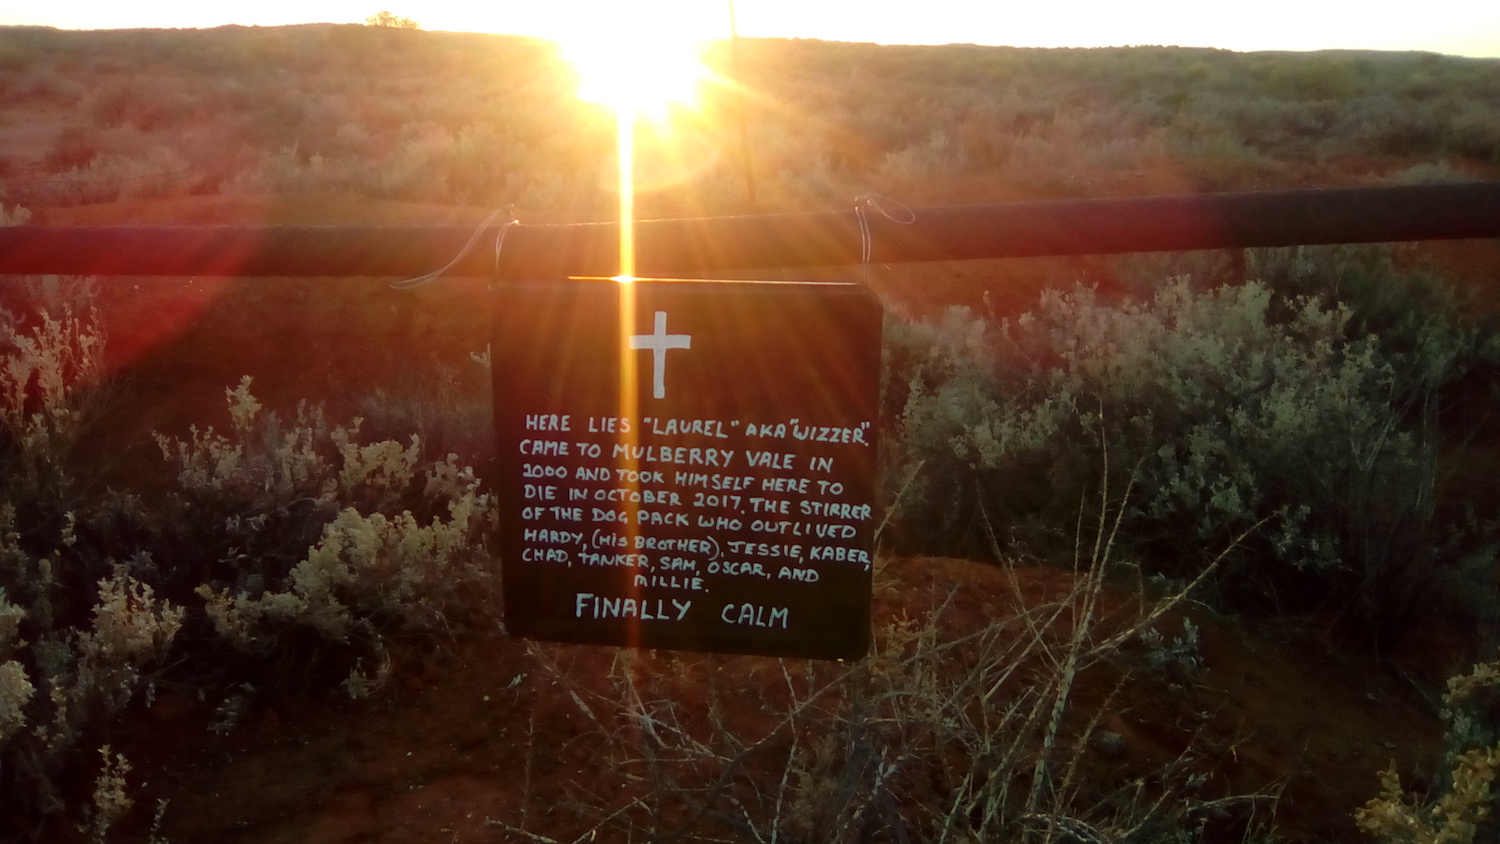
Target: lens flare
x,y
640,69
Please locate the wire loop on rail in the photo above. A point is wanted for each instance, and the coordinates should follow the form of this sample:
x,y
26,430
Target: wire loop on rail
x,y
903,215
508,212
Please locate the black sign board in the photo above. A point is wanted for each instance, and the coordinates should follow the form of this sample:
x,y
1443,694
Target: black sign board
x,y
688,464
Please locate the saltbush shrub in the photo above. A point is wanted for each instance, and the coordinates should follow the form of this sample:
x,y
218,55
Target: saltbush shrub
x,y
321,541
1275,405
1463,806
367,569
80,633
74,147
277,546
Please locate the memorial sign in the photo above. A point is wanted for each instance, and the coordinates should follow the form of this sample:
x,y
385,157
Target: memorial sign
x,y
688,464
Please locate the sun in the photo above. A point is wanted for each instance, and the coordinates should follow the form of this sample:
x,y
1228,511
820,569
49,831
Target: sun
x,y
638,65
645,84
637,59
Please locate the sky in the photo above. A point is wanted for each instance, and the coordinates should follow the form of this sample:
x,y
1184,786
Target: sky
x,y
1457,27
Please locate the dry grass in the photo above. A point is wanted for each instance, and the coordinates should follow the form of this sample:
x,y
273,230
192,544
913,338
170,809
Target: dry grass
x,y
951,730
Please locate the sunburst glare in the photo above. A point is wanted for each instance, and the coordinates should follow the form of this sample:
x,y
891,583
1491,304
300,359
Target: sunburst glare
x,y
638,67
638,62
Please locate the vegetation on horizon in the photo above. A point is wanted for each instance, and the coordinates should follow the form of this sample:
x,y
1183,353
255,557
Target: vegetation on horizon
x,y
492,121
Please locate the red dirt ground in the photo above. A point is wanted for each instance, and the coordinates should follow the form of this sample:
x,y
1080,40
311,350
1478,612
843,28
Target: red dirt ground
x,y
445,752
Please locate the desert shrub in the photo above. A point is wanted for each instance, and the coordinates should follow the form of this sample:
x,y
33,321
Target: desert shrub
x,y
1401,307
364,571
935,156
391,20
1474,134
295,547
132,173
81,633
44,83
62,685
48,374
1228,407
1464,806
446,405
114,104
317,532
74,147
1410,130
1431,173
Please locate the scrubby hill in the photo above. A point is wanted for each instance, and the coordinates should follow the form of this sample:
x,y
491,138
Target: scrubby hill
x,y
490,120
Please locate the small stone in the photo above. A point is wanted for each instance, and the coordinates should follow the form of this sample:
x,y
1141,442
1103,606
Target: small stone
x,y
1109,743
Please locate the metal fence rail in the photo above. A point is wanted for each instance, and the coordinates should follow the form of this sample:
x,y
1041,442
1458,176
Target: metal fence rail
x,y
737,244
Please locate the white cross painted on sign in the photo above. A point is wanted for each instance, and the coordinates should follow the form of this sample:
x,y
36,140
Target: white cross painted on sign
x,y
659,342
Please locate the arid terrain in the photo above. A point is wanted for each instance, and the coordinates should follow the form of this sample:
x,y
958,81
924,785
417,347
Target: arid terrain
x,y
1041,671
